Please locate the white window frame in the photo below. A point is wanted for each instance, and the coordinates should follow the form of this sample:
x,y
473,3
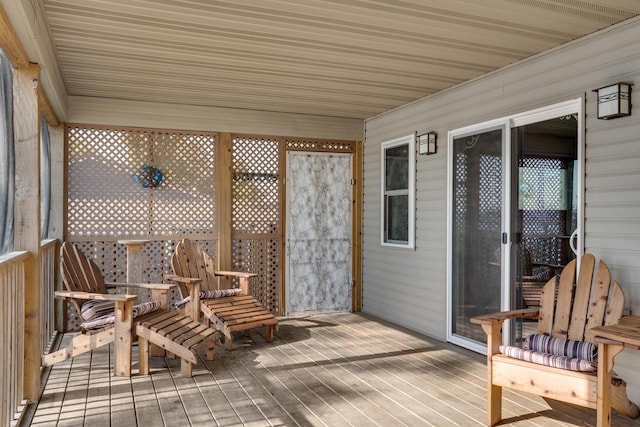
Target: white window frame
x,y
409,140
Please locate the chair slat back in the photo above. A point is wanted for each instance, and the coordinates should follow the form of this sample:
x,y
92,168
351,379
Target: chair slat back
x,y
581,298
575,311
188,260
79,274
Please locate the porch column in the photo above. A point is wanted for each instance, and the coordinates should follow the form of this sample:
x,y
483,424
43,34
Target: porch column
x,y
224,202
56,219
27,214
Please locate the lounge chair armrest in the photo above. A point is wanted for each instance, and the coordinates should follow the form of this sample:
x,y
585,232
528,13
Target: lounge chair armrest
x,y
180,279
158,286
240,274
95,296
499,317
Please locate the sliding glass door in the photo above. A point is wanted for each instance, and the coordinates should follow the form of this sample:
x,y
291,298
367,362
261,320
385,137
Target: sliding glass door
x,y
515,214
544,210
476,229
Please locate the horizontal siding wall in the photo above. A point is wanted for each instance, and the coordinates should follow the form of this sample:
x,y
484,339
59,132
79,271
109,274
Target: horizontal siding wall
x,y
118,112
408,287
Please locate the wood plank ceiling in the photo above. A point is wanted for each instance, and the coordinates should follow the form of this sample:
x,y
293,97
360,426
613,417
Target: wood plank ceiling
x,y
345,58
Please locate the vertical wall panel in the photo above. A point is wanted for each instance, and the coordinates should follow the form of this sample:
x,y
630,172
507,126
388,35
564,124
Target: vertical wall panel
x,y
408,287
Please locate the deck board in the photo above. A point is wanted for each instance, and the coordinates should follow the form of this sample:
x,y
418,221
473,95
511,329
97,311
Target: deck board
x,y
324,370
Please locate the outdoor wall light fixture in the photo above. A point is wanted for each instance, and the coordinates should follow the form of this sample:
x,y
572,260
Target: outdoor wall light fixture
x,y
614,101
427,143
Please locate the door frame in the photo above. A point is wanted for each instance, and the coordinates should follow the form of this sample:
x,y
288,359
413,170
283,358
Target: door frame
x,y
507,123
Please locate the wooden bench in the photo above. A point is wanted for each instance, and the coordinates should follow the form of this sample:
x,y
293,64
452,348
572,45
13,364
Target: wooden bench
x,y
571,317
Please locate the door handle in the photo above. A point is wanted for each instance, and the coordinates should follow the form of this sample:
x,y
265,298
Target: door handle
x,y
574,235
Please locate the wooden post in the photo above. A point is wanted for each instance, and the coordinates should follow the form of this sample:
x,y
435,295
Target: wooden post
x,y
134,264
27,215
56,219
356,248
224,194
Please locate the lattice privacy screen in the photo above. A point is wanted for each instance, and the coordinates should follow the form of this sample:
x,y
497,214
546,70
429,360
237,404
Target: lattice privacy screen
x,y
257,207
257,215
544,200
105,203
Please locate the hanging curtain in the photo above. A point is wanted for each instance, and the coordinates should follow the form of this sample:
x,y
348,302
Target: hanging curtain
x,y
45,177
7,165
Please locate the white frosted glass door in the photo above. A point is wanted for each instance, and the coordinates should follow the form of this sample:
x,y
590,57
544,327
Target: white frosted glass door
x,y
319,203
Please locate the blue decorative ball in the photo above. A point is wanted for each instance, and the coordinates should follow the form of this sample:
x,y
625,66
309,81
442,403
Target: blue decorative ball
x,y
148,176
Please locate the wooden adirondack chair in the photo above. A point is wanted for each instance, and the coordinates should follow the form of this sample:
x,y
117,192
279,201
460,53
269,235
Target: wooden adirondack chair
x,y
571,317
170,330
230,314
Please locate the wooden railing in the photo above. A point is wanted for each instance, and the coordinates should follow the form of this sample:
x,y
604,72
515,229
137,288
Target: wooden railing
x,y
12,273
48,261
12,309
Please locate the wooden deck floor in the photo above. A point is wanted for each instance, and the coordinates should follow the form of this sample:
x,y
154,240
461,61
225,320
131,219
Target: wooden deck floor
x,y
334,370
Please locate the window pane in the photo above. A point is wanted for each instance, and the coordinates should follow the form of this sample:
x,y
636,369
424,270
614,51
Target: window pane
x,y
397,167
398,218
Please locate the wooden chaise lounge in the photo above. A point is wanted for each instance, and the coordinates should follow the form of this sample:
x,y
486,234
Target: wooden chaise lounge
x,y
170,330
571,317
239,312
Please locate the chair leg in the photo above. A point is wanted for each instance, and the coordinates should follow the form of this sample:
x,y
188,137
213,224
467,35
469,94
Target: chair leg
x,y
269,336
228,341
122,338
143,356
210,352
185,369
494,404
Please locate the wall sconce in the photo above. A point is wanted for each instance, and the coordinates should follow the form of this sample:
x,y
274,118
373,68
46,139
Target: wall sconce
x,y
614,101
427,143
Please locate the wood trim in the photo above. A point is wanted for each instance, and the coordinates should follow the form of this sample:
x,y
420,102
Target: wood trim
x,y
245,236
282,301
19,59
44,106
27,214
139,129
224,197
176,237
356,248
10,44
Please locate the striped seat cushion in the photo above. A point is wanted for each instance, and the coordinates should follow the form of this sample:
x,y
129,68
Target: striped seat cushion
x,y
545,343
562,362
96,308
210,294
102,319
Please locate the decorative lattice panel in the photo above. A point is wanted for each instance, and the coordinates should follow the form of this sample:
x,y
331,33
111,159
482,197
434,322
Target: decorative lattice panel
x,y
104,200
105,203
257,214
544,198
542,184
260,256
490,193
256,189
461,205
298,144
111,258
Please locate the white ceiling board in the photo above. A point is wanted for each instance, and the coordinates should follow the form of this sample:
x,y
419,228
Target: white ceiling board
x,y
343,58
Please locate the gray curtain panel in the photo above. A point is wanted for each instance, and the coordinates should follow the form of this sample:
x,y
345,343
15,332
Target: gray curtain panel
x,y
7,165
45,177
